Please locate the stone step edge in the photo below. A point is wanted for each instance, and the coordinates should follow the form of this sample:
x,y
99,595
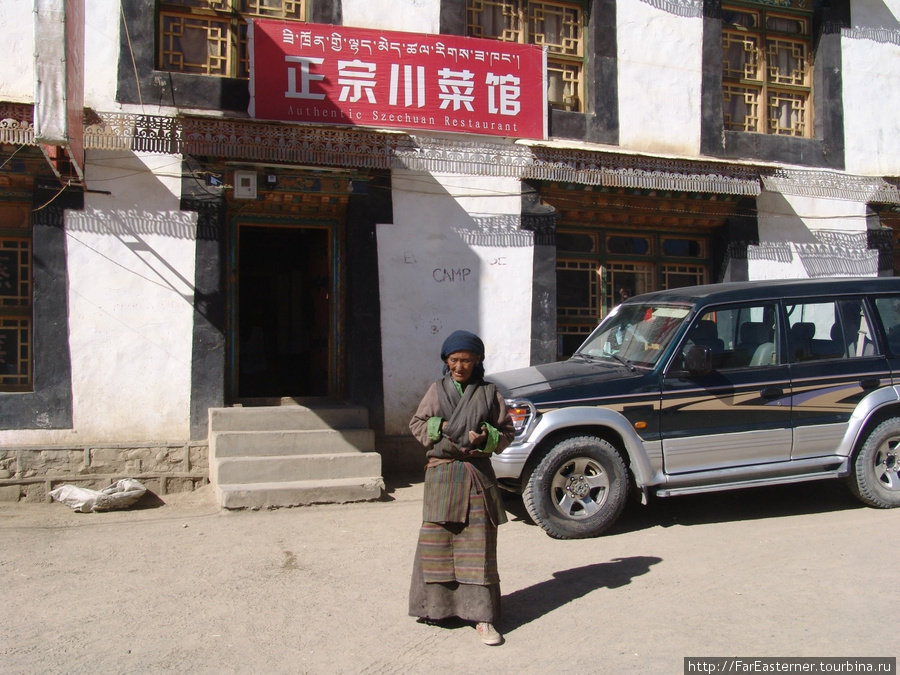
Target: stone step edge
x,y
299,493
290,468
247,459
282,432
288,418
284,443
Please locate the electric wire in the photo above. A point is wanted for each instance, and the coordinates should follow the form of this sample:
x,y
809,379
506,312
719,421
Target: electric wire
x,y
137,78
465,191
9,159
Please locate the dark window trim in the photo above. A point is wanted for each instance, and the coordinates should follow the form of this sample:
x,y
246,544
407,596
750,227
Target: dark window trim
x,y
600,124
49,405
826,149
139,81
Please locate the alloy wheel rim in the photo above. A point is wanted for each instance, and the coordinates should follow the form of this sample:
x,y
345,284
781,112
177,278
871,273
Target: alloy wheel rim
x,y
580,488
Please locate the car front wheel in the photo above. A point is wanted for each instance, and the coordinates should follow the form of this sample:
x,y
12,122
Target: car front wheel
x,y
578,488
876,470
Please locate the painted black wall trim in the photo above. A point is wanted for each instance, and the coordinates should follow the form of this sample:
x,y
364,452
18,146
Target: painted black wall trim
x,y
453,18
541,220
208,340
600,124
49,406
369,205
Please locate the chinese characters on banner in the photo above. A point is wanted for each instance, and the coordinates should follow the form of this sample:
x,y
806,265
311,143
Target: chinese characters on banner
x,y
338,75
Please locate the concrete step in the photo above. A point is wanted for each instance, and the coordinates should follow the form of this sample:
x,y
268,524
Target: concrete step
x,y
235,470
299,493
280,443
290,455
288,417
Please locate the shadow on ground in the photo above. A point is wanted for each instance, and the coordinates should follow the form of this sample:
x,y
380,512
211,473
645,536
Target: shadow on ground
x,y
720,507
148,500
527,604
396,482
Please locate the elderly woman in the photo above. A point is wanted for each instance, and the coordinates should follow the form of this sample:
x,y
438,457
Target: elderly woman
x,y
461,421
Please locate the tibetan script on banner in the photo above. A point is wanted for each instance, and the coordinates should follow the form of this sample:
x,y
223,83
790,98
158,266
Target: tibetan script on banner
x,y
353,76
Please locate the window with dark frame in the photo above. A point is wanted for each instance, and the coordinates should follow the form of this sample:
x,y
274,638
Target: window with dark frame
x,y
558,26
209,37
15,297
596,271
767,68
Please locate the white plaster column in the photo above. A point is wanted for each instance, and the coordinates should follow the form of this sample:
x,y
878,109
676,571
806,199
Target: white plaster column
x,y
802,237
660,67
454,258
131,275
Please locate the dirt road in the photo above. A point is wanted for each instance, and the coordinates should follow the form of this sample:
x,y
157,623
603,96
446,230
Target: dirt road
x,y
184,587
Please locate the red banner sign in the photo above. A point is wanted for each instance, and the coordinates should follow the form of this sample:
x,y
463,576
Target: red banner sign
x,y
356,76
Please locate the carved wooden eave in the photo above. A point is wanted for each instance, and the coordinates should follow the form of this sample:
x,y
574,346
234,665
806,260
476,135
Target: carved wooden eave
x,y
16,124
620,170
350,147
832,185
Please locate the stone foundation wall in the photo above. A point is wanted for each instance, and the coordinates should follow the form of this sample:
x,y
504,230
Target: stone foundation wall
x,y
30,473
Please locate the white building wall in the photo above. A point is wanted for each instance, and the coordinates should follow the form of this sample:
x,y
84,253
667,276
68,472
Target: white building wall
x,y
871,76
443,263
101,38
453,259
130,263
798,237
660,65
130,258
17,29
131,274
412,16
101,55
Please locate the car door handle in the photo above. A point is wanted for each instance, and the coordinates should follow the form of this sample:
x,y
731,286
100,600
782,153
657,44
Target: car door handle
x,y
870,383
772,392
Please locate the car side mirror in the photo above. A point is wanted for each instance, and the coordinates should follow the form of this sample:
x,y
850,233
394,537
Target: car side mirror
x,y
698,360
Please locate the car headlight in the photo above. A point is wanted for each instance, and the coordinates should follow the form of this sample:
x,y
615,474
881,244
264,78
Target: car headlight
x,y
522,413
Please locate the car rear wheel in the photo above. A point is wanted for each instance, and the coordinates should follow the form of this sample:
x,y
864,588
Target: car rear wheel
x,y
876,470
578,488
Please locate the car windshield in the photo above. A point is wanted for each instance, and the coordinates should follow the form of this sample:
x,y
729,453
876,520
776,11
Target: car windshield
x,y
635,334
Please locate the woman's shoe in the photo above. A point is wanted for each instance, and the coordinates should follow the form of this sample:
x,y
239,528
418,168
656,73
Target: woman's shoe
x,y
488,633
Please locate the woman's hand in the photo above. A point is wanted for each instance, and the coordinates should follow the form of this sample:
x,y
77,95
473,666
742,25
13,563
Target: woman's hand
x,y
478,438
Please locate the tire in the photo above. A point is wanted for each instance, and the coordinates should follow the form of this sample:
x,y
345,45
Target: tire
x,y
876,471
578,488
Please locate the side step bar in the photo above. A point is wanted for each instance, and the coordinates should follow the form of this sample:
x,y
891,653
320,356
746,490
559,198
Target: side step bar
x,y
753,482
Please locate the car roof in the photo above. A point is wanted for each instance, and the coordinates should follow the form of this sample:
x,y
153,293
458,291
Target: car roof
x,y
737,291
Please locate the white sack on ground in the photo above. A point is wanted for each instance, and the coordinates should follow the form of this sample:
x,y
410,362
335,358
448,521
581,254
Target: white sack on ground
x,y
120,495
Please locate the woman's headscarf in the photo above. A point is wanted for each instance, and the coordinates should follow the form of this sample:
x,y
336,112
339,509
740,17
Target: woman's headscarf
x,y
464,341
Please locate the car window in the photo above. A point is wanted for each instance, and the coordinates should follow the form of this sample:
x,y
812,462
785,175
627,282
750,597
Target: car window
x,y
739,336
638,333
888,310
837,329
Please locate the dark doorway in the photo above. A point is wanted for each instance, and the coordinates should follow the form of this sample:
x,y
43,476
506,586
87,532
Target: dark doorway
x,y
284,313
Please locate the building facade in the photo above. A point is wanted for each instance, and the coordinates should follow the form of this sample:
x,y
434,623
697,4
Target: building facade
x,y
166,252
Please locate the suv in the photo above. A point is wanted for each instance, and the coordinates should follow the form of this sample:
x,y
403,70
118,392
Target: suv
x,y
711,388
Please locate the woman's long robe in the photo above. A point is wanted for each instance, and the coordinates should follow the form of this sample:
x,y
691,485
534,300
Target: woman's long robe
x,y
455,569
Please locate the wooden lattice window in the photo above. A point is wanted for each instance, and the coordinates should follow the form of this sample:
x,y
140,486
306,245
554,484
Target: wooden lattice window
x,y
209,37
627,279
767,70
557,26
577,289
679,276
596,271
15,297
